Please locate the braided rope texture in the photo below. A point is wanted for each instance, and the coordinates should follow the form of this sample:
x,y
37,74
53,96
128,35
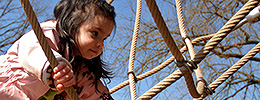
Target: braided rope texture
x,y
44,44
225,30
133,50
234,68
189,80
156,14
162,85
170,79
148,93
144,75
170,42
161,66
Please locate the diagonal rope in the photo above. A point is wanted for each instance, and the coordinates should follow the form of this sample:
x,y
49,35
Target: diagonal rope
x,y
144,75
161,85
170,79
225,30
44,44
235,67
133,50
161,66
171,44
176,75
158,19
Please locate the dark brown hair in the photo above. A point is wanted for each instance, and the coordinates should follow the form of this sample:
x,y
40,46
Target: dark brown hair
x,y
70,14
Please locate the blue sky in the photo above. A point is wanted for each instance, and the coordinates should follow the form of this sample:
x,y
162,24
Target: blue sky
x,y
123,10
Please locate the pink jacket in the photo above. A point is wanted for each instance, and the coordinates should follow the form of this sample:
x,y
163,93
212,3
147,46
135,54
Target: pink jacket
x,y
24,64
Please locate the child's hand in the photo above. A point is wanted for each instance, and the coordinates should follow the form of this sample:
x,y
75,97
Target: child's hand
x,y
63,76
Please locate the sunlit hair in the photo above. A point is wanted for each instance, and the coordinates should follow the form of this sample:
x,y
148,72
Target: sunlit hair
x,y
70,14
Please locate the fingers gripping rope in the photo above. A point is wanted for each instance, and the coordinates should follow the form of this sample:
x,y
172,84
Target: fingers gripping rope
x,y
64,60
49,73
44,44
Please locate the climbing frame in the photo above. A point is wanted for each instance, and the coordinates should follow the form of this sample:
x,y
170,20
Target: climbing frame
x,y
186,67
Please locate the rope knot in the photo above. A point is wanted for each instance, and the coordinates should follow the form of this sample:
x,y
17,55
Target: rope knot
x,y
135,78
186,66
207,89
185,37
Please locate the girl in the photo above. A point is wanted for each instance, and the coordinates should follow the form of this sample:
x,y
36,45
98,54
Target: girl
x,y
77,35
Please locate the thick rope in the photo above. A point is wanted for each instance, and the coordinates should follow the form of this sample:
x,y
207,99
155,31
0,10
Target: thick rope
x,y
214,85
178,74
144,75
44,44
133,50
234,68
162,85
225,30
156,14
170,43
201,84
161,66
197,40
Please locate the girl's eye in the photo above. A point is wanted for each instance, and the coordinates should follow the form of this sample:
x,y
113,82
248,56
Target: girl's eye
x,y
94,33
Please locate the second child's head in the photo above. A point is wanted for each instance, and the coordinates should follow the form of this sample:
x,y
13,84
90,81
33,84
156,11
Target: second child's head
x,y
83,25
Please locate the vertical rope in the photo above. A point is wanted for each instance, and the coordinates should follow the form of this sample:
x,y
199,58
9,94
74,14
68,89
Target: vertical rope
x,y
164,30
144,75
189,45
44,44
169,41
133,49
161,66
171,78
200,85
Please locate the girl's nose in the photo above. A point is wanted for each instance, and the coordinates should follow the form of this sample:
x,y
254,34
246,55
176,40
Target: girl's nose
x,y
100,44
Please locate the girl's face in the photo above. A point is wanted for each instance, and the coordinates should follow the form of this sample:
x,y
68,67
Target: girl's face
x,y
92,35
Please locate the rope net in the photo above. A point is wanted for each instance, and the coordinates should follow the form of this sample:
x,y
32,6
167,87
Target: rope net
x,y
186,67
203,89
